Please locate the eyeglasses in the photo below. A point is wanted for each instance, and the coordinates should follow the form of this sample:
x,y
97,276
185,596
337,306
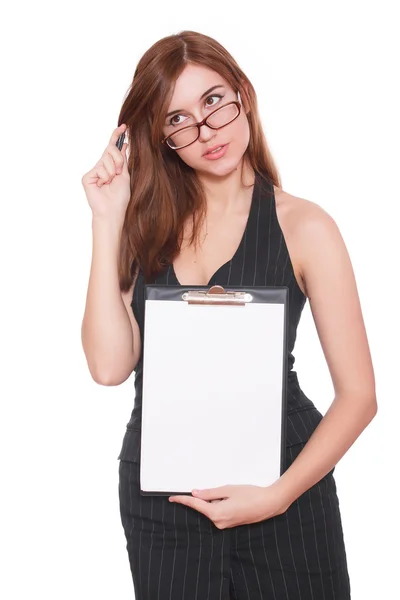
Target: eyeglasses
x,y
220,117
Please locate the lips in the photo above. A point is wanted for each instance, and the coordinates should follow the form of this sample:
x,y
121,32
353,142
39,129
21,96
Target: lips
x,y
213,148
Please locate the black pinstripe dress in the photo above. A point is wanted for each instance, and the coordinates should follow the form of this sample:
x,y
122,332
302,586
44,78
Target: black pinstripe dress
x,y
177,553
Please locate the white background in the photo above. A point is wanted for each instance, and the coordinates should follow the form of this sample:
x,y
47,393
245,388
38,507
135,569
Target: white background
x,y
326,79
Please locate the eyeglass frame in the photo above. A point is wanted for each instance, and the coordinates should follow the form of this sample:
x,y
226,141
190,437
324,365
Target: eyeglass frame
x,y
201,123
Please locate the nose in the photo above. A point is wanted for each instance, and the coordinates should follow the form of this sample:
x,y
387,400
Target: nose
x,y
206,133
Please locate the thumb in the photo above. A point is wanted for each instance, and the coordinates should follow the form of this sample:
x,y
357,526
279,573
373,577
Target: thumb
x,y
213,494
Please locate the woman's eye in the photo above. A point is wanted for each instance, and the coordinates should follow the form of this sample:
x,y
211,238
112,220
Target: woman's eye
x,y
172,120
213,96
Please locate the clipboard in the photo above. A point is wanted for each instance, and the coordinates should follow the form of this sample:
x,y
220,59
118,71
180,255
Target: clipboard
x,y
214,387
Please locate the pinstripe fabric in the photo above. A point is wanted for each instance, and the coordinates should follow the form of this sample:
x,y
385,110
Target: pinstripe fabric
x,y
177,553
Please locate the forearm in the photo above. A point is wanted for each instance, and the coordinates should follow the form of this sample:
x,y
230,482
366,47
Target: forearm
x,y
106,330
345,420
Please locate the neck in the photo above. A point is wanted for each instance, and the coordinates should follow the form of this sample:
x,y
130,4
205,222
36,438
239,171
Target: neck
x,y
225,193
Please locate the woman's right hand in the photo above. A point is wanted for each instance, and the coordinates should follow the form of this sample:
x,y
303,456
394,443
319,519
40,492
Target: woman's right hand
x,y
107,184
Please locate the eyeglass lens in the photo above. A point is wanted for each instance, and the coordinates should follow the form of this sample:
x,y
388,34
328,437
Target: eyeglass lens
x,y
221,117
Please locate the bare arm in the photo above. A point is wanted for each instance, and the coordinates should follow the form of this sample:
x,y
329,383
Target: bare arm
x,y
331,288
110,334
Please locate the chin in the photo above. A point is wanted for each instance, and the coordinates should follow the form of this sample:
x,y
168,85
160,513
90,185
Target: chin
x,y
222,167
219,168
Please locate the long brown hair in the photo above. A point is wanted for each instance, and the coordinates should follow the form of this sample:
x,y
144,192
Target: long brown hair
x,y
165,191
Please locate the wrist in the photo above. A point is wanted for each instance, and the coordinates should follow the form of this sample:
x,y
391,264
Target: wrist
x,y
284,494
107,225
115,220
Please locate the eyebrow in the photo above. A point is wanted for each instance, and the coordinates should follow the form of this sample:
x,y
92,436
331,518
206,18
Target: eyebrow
x,y
214,87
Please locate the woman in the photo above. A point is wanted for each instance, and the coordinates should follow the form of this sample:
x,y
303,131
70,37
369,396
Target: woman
x,y
199,202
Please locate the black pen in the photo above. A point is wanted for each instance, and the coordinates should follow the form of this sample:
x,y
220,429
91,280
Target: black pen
x,y
120,141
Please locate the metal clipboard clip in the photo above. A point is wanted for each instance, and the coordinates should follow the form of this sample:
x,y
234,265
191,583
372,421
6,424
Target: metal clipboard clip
x,y
217,295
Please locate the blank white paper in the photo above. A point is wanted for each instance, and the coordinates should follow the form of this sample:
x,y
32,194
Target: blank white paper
x,y
212,395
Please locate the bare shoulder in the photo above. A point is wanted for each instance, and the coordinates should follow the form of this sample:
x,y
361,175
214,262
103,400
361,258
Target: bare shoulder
x,y
296,213
320,256
305,225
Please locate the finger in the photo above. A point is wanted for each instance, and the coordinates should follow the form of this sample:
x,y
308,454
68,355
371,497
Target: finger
x,y
213,493
109,165
116,133
103,176
204,507
116,158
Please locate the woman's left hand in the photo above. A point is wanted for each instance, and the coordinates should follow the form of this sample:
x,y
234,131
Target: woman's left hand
x,y
239,504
